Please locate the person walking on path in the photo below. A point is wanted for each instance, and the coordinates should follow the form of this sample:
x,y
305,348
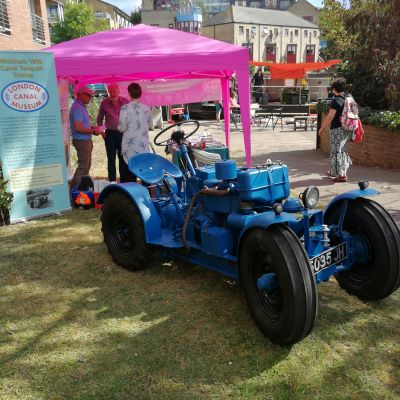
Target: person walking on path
x,y
109,110
134,123
82,132
258,83
218,109
340,160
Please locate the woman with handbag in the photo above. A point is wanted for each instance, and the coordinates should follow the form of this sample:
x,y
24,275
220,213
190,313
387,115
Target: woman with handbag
x,y
340,160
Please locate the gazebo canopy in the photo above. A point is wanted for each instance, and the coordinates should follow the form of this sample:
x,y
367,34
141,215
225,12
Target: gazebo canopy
x,y
146,53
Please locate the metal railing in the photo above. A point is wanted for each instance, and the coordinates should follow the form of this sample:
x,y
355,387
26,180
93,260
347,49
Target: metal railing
x,y
4,18
303,94
38,29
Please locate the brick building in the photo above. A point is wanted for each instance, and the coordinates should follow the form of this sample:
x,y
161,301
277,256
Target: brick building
x,y
23,25
270,35
115,17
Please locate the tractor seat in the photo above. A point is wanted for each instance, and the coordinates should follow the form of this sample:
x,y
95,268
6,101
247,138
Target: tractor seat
x,y
150,168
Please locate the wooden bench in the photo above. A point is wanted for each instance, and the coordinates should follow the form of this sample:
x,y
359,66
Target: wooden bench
x,y
298,122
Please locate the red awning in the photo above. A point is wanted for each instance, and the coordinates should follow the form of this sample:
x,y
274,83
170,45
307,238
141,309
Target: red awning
x,y
291,71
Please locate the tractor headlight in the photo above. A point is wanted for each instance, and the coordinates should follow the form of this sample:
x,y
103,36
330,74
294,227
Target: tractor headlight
x,y
310,197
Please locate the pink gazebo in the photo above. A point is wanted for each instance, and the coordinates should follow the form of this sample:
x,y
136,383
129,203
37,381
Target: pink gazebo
x,y
146,53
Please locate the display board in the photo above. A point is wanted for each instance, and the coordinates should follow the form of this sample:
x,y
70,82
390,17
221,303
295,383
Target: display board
x,y
31,139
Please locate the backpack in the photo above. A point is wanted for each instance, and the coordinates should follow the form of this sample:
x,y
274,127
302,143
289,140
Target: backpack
x,y
349,116
350,120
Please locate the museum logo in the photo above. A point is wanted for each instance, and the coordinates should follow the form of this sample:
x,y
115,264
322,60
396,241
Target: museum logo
x,y
25,96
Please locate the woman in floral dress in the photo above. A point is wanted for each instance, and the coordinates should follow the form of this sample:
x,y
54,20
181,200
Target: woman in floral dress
x,y
340,160
134,123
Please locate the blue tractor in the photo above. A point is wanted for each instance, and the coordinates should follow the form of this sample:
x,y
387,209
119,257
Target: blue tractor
x,y
242,222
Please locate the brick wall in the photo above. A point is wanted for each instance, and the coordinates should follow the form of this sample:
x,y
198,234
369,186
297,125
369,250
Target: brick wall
x,y
379,148
21,27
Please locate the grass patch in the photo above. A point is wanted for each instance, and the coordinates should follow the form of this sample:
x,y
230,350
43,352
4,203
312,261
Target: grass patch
x,y
73,325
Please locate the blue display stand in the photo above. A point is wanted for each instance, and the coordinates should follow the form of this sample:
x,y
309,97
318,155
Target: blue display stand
x,y
31,140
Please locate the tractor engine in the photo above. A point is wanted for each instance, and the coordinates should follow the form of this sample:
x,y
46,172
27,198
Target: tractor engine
x,y
227,191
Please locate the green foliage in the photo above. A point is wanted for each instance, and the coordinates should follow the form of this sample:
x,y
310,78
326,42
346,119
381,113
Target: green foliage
x,y
333,29
6,198
323,106
365,37
93,109
136,16
385,119
78,21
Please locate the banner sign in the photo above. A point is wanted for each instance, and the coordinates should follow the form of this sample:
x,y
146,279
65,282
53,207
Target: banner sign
x,y
31,139
162,92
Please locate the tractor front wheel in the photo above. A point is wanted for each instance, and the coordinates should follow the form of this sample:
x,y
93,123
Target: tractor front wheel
x,y
377,273
123,232
286,313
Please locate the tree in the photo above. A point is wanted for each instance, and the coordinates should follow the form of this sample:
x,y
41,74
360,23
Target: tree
x,y
365,37
78,21
136,16
374,55
333,30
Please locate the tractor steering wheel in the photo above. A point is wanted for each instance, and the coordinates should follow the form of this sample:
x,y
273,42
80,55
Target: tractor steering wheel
x,y
165,142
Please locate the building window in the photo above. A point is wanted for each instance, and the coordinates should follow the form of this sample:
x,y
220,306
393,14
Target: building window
x,y
296,32
37,22
276,31
286,32
315,34
240,30
305,33
171,26
250,47
291,36
309,18
4,19
154,25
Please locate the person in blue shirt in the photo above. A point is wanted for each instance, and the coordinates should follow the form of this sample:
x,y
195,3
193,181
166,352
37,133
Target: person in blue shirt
x,y
82,132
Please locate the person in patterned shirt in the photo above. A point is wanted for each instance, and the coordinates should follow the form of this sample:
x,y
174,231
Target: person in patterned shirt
x,y
134,123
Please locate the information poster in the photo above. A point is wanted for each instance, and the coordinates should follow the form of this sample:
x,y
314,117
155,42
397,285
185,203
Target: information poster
x,y
31,139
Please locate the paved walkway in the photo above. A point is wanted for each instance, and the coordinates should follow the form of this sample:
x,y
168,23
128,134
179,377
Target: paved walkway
x,y
307,166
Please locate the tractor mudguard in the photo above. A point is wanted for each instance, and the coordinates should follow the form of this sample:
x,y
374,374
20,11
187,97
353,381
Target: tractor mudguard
x,y
141,198
247,222
352,195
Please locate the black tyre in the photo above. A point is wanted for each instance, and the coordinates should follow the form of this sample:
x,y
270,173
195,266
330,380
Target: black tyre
x,y
378,275
287,314
124,233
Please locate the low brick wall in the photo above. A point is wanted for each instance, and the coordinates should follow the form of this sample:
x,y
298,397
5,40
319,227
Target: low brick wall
x,y
379,148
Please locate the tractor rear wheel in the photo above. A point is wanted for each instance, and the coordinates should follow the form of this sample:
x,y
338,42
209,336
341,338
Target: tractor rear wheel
x,y
287,313
378,274
123,232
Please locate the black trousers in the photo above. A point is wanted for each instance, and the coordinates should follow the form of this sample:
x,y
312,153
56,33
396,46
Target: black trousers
x,y
113,141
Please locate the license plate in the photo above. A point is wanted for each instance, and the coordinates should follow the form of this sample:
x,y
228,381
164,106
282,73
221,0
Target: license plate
x,y
329,257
